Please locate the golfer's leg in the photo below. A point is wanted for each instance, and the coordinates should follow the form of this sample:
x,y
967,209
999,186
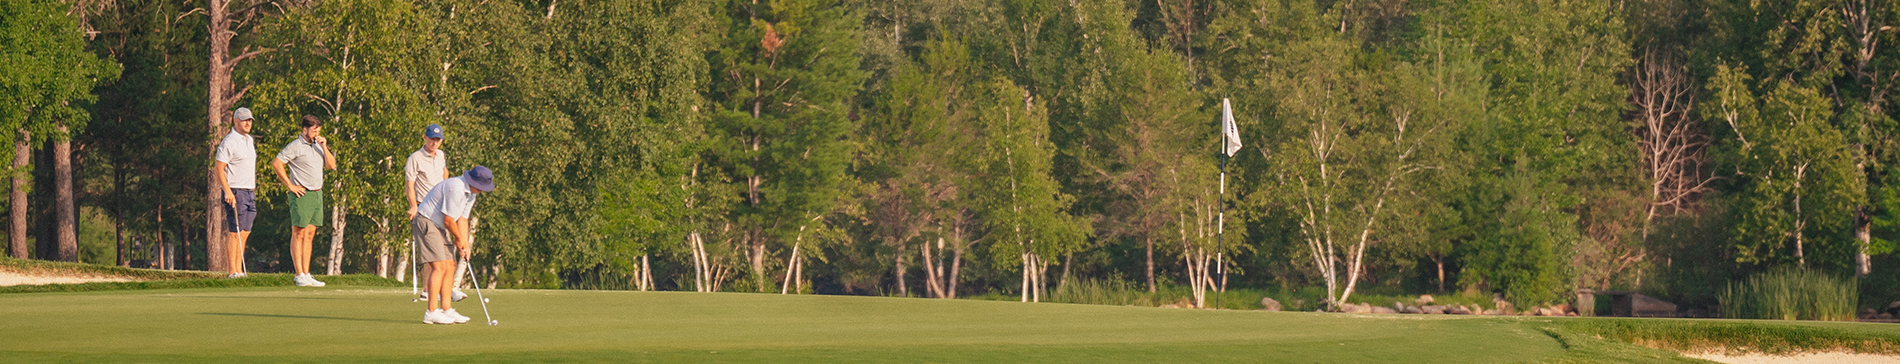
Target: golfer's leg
x,y
443,270
300,247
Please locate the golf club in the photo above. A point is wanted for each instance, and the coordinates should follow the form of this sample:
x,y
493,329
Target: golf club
x,y
415,291
478,294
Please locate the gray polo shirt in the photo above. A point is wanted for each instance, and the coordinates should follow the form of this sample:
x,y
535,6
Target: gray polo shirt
x,y
304,160
239,152
449,198
425,170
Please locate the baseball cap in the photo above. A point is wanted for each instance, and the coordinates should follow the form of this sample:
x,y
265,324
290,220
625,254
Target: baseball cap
x,y
242,113
432,131
480,178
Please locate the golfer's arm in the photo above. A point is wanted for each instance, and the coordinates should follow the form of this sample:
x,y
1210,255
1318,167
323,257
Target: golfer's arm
x,y
278,165
409,190
218,170
458,228
329,160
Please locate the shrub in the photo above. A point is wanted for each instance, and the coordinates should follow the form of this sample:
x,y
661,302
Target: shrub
x,y
1791,294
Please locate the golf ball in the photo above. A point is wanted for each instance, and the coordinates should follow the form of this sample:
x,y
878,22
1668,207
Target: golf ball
x,y
493,322
484,300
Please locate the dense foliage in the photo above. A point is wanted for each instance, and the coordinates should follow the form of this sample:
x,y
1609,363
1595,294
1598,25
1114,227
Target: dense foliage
x,y
1002,147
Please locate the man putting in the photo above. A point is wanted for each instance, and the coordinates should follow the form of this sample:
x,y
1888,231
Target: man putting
x,y
425,168
441,228
236,170
307,157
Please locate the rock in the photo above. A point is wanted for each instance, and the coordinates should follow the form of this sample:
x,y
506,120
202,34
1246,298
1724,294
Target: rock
x,y
1424,300
1564,309
1382,309
1268,304
1868,313
1433,310
1412,310
1474,309
1355,308
1493,312
1572,314
1893,308
1170,306
1457,310
1884,316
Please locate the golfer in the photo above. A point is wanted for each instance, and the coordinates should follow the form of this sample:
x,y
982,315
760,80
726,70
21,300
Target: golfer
x,y
236,164
425,168
307,157
441,227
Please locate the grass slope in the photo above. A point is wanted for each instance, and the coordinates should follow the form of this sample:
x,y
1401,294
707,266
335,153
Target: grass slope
x,y
158,279
358,323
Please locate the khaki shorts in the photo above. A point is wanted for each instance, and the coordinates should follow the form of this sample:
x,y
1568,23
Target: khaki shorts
x,y
432,241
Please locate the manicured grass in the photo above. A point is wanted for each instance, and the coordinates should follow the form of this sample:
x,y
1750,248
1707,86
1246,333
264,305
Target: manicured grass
x,y
1772,337
159,279
8,264
357,323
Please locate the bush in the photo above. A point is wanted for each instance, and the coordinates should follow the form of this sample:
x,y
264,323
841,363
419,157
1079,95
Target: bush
x,y
1791,294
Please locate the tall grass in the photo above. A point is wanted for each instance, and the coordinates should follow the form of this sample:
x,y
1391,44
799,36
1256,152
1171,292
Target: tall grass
x,y
1791,294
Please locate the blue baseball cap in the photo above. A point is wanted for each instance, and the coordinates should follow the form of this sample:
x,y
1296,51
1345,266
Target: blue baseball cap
x,y
432,131
480,178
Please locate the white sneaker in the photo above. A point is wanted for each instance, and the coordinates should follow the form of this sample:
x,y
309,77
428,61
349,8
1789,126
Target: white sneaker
x,y
437,317
300,280
234,276
457,316
313,281
457,296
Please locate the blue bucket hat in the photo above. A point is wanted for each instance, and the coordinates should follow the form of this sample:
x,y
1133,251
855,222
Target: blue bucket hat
x,y
432,131
480,178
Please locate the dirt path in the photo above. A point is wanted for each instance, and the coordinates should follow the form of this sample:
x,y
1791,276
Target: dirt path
x,y
1831,358
17,279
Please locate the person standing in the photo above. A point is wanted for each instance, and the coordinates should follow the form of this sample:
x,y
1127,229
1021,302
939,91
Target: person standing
x,y
441,228
307,157
236,169
425,168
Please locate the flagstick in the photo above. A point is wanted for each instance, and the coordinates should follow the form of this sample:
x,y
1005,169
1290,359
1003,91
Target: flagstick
x,y
1220,235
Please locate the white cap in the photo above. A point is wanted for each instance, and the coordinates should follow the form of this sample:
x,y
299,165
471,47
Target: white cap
x,y
242,114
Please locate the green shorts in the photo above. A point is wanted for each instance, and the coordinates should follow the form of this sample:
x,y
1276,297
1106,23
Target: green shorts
x,y
306,210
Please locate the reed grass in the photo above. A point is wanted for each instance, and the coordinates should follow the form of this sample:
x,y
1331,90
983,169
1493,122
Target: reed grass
x,y
1791,294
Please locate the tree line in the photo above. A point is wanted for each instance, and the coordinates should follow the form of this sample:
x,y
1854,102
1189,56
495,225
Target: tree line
x,y
939,148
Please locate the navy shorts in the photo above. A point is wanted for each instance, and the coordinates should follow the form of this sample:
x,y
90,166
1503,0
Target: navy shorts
x,y
246,211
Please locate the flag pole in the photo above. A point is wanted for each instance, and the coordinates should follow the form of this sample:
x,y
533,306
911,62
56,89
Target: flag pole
x,y
1220,236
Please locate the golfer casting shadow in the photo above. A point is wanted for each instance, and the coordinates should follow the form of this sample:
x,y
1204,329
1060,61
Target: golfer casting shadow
x,y
236,171
307,157
440,227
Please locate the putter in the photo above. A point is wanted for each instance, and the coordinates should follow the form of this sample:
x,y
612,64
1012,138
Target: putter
x,y
415,291
478,294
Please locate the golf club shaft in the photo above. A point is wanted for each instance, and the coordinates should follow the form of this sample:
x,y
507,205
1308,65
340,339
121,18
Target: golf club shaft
x,y
478,292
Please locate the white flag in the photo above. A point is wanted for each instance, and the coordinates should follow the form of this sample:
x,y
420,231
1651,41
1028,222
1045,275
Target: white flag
x,y
1229,134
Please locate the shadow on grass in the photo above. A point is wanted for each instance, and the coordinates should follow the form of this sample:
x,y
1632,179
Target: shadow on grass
x,y
302,317
263,297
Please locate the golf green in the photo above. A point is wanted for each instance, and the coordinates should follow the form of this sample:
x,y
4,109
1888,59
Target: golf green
x,y
330,324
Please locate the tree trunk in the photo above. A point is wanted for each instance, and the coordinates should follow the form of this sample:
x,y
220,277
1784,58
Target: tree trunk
x,y
22,152
930,273
337,223
956,263
902,289
1150,248
118,207
382,262
1863,233
64,206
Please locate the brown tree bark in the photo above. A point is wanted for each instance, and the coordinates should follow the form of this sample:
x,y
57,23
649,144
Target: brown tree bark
x,y
22,154
220,95
63,204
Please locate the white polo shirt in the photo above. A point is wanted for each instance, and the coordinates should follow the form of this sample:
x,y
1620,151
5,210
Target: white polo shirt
x,y
452,197
239,152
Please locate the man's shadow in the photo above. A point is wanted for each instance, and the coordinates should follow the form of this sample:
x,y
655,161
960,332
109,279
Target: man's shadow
x,y
299,317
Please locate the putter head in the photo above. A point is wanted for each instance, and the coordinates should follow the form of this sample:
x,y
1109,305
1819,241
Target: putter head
x,y
493,322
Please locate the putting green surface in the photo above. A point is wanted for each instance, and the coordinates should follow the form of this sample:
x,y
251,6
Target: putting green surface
x,y
288,324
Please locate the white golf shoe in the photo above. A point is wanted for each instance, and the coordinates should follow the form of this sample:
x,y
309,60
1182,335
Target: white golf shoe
x,y
437,317
457,296
313,281
456,315
301,280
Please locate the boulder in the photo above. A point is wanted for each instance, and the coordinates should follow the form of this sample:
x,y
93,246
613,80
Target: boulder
x,y
1412,310
1493,312
1424,300
1868,313
1564,308
1433,309
1382,309
1355,308
1884,316
1170,306
1893,308
1457,310
1268,304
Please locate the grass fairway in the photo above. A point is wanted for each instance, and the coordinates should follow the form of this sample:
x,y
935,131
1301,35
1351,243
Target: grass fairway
x,y
363,323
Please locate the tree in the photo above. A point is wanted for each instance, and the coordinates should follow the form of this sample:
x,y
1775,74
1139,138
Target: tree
x,y
224,25
784,74
48,79
1023,207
